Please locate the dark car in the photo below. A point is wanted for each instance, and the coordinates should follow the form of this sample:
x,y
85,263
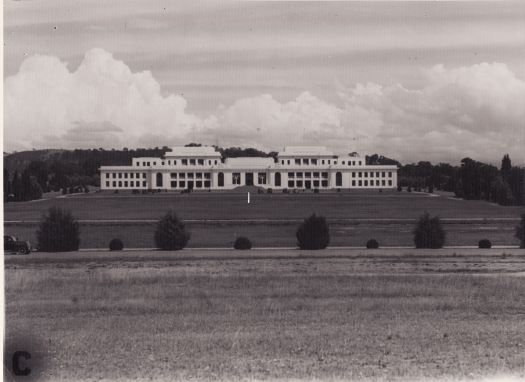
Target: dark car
x,y
11,243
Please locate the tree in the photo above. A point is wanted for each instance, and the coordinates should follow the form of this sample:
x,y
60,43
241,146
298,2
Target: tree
x,y
16,186
428,232
7,184
171,234
520,231
506,166
58,231
313,233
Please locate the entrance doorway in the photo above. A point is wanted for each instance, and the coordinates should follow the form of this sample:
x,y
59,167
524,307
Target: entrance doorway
x,y
249,178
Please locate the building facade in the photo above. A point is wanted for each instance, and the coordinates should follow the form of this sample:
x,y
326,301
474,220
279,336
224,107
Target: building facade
x,y
201,168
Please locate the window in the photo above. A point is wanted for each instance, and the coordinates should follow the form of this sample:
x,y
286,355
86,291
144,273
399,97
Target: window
x,y
198,184
173,175
220,179
125,175
162,163
288,161
360,183
120,175
207,184
371,174
277,179
349,163
192,162
353,163
360,174
389,174
324,175
261,177
173,184
359,163
291,175
209,161
182,175
389,182
215,161
149,163
154,163
366,183
316,175
107,184
383,182
184,162
298,174
198,175
314,161
174,162
343,162
190,175
324,183
114,184
159,179
120,183
335,162
328,161
207,175
143,163
338,179
236,178
383,174
182,184
144,175
353,175
307,174
169,162
377,182
306,161
297,161
282,162
114,175
290,184
144,183
316,184
366,174
131,175
322,162
299,184
377,174
201,162
353,183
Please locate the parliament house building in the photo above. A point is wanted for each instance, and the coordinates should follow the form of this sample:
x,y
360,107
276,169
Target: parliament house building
x,y
202,168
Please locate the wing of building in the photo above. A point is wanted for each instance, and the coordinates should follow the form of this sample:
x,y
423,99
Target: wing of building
x,y
201,168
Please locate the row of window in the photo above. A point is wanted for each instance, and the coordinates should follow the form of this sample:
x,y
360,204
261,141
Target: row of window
x,y
190,175
126,175
365,173
183,162
315,162
126,184
324,183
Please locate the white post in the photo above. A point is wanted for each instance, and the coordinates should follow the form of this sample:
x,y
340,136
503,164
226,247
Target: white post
x,y
248,197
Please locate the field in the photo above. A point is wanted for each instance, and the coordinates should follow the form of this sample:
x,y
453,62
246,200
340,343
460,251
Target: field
x,y
270,220
269,314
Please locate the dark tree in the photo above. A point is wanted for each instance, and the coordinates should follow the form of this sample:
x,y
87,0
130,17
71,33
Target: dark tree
x,y
242,243
372,244
428,232
313,233
116,245
58,232
171,234
7,184
506,167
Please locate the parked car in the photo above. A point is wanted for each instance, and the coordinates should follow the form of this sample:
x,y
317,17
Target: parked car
x,y
12,243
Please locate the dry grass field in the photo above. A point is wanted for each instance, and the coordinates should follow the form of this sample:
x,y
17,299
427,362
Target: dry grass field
x,y
265,315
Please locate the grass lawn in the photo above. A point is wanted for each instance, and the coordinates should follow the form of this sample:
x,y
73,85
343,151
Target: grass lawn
x,y
380,315
353,205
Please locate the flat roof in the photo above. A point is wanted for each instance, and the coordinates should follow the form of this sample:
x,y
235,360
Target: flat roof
x,y
249,162
202,151
306,151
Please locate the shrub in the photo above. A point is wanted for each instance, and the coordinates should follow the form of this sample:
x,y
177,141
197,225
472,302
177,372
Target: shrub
x,y
313,233
431,189
372,244
399,188
58,232
338,190
520,231
316,190
269,191
285,190
134,191
242,243
116,245
485,244
409,189
428,232
64,191
171,234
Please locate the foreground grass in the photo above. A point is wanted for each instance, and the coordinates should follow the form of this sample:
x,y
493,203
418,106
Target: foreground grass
x,y
287,318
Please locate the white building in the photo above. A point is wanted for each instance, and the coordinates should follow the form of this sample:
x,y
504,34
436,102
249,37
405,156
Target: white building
x,y
201,168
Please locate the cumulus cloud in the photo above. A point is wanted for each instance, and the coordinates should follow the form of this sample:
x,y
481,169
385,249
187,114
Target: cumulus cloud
x,y
476,111
46,105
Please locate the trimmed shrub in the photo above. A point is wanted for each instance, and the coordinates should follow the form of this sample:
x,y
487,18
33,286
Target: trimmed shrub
x,y
520,231
135,191
399,188
372,244
171,234
316,190
116,245
58,232
428,232
269,191
285,191
242,243
484,243
313,233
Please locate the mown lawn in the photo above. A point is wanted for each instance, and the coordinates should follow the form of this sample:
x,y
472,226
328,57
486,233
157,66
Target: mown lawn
x,y
233,319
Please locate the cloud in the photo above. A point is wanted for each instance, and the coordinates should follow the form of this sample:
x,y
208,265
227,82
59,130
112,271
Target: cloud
x,y
44,103
476,111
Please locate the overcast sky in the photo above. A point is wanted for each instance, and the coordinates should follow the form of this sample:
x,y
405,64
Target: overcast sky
x,y
413,81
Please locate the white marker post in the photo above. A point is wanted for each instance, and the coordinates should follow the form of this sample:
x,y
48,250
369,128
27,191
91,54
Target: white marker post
x,y
248,197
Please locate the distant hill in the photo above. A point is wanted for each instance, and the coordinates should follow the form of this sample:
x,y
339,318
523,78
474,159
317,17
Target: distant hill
x,y
18,161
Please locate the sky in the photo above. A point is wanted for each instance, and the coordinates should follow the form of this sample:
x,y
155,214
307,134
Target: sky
x,y
435,81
